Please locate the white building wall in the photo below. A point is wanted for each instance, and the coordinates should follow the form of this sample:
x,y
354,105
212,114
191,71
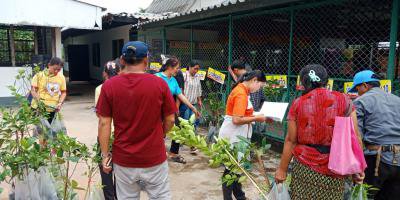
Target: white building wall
x,y
58,44
52,13
104,38
8,75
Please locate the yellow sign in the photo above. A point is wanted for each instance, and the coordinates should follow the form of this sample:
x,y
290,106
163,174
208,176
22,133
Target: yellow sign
x,y
202,74
155,66
347,86
216,75
386,85
269,77
281,79
183,70
329,85
299,86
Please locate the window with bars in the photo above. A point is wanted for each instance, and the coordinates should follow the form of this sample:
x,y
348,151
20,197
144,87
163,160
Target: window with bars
x,y
117,48
5,56
24,46
24,43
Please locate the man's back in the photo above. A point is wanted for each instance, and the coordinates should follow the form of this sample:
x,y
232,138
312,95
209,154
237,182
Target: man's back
x,y
137,103
381,113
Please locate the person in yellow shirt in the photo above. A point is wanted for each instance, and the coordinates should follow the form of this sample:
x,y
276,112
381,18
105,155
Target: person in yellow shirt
x,y
49,87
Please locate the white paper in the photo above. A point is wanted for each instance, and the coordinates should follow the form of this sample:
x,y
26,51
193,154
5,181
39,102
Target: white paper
x,y
274,110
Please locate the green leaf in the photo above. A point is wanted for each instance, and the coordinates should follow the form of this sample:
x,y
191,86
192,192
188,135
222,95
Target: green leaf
x,y
74,159
242,179
74,185
267,146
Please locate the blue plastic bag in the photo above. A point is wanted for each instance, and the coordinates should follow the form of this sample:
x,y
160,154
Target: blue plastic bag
x,y
279,192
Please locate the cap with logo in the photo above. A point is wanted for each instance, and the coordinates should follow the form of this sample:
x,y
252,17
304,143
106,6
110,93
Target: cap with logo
x,y
141,49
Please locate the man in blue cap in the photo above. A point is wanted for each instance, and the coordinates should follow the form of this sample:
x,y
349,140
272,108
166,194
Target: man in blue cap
x,y
143,111
378,114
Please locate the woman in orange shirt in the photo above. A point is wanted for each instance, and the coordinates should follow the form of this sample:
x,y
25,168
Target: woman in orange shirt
x,y
238,119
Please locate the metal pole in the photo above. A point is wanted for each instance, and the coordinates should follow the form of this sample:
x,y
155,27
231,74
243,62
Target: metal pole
x,y
191,42
393,39
230,28
230,39
290,59
164,42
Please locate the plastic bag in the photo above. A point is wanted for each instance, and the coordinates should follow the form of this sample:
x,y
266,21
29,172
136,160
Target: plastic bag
x,y
27,188
279,192
47,188
358,193
96,193
51,130
36,185
212,131
57,126
346,155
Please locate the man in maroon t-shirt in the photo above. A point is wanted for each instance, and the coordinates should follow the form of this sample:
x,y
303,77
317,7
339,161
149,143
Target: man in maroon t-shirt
x,y
142,109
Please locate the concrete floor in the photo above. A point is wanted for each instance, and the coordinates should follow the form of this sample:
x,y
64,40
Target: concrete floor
x,y
194,180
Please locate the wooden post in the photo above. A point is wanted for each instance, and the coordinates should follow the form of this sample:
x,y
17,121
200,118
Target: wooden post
x,y
35,40
53,43
12,45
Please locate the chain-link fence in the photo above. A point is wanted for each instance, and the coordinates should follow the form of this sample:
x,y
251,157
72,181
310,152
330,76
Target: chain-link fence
x,y
344,36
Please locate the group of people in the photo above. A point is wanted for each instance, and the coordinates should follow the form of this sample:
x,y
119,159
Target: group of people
x,y
139,108
311,119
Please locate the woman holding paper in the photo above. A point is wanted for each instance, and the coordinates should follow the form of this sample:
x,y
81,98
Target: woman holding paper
x,y
311,120
238,119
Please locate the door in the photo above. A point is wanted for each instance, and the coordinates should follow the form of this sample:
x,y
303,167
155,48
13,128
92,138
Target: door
x,y
78,62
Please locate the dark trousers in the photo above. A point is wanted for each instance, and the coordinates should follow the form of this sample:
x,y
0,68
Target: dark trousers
x,y
174,145
107,180
388,181
235,188
50,116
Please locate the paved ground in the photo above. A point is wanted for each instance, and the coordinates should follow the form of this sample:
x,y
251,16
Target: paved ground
x,y
195,180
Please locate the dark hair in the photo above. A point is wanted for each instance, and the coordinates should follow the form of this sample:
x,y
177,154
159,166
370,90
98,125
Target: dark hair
x,y
111,68
374,84
171,62
313,76
130,57
237,64
250,75
119,64
56,61
193,63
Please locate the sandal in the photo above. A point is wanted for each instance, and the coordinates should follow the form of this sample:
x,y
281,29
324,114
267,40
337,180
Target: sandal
x,y
178,159
193,151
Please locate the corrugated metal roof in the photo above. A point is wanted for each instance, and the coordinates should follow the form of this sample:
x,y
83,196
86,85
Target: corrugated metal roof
x,y
196,7
185,6
143,16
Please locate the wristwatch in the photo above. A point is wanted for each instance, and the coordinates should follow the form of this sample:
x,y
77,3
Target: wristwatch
x,y
106,156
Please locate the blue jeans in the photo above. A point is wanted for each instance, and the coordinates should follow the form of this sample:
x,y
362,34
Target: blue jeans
x,y
185,112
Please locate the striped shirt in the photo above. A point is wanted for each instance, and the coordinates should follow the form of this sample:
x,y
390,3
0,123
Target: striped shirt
x,y
192,89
